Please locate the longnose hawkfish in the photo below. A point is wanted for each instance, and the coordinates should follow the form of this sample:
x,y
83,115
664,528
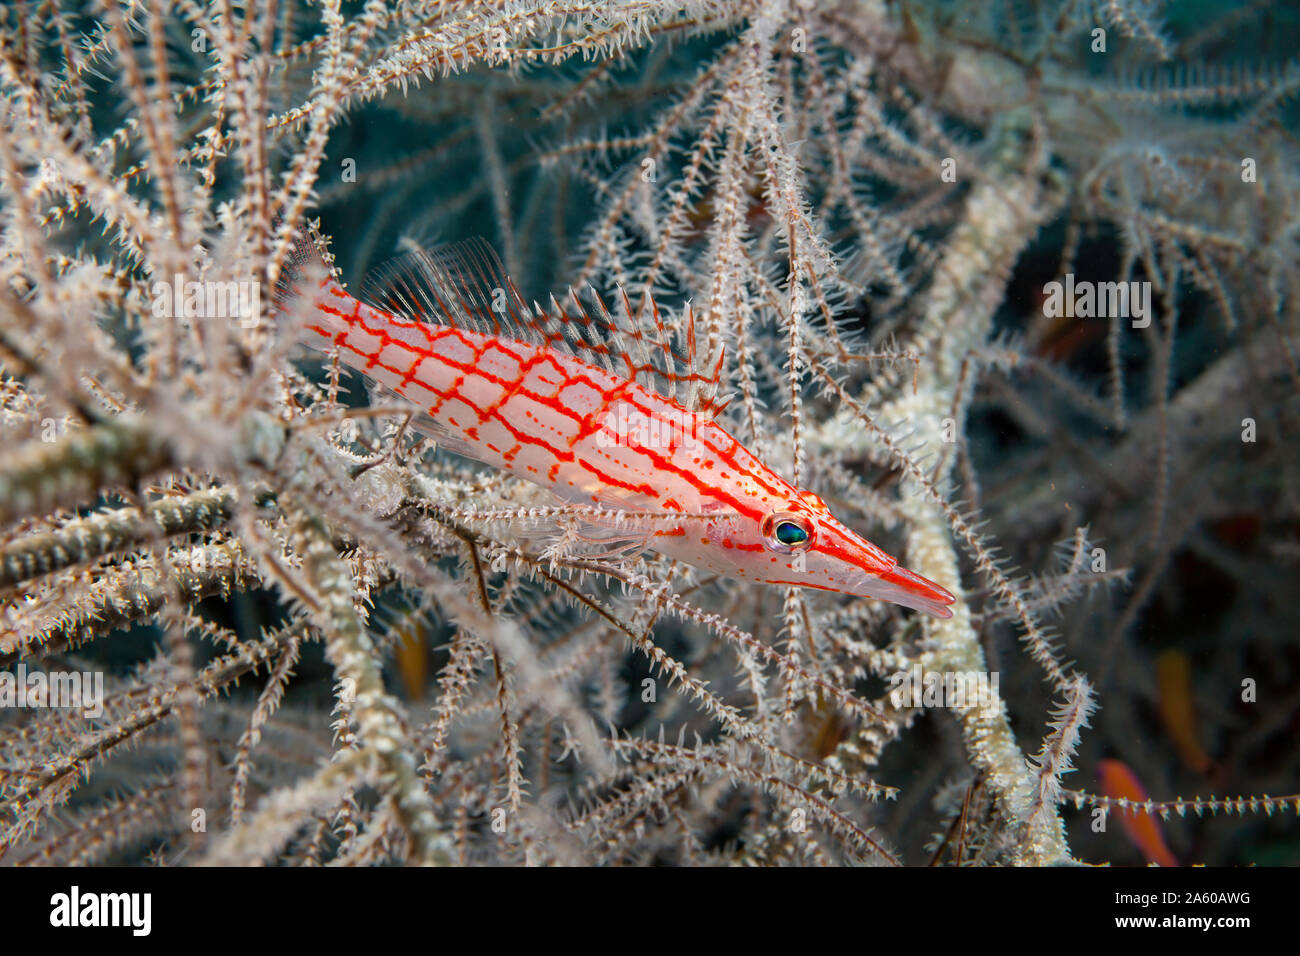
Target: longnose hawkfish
x,y
595,408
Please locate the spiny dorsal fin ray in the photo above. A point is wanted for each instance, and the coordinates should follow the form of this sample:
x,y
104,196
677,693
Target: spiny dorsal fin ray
x,y
464,284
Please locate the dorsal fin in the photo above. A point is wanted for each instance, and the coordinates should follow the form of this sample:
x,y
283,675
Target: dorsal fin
x,y
464,284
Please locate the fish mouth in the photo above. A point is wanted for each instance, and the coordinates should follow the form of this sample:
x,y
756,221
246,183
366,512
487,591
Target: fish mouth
x,y
901,586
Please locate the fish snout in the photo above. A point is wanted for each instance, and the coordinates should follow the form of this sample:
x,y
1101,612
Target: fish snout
x,y
859,567
901,586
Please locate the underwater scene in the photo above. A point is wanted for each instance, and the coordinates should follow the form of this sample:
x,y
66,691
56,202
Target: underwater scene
x,y
705,433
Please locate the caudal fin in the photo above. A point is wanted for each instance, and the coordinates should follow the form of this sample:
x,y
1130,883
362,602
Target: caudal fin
x,y
306,283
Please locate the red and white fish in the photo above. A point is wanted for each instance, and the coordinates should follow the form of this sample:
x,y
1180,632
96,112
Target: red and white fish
x,y
597,409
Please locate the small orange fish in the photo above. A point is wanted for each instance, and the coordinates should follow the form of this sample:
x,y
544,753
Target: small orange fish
x,y
412,658
1178,710
1120,783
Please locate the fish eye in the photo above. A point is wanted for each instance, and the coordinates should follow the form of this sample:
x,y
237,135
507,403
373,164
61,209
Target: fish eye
x,y
786,532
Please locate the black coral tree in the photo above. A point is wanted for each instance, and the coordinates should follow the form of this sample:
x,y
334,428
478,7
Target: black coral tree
x,y
322,639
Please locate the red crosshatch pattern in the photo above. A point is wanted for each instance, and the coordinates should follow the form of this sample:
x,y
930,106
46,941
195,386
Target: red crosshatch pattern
x,y
538,412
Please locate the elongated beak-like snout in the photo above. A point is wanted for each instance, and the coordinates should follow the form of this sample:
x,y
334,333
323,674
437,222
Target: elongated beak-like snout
x,y
863,569
904,587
